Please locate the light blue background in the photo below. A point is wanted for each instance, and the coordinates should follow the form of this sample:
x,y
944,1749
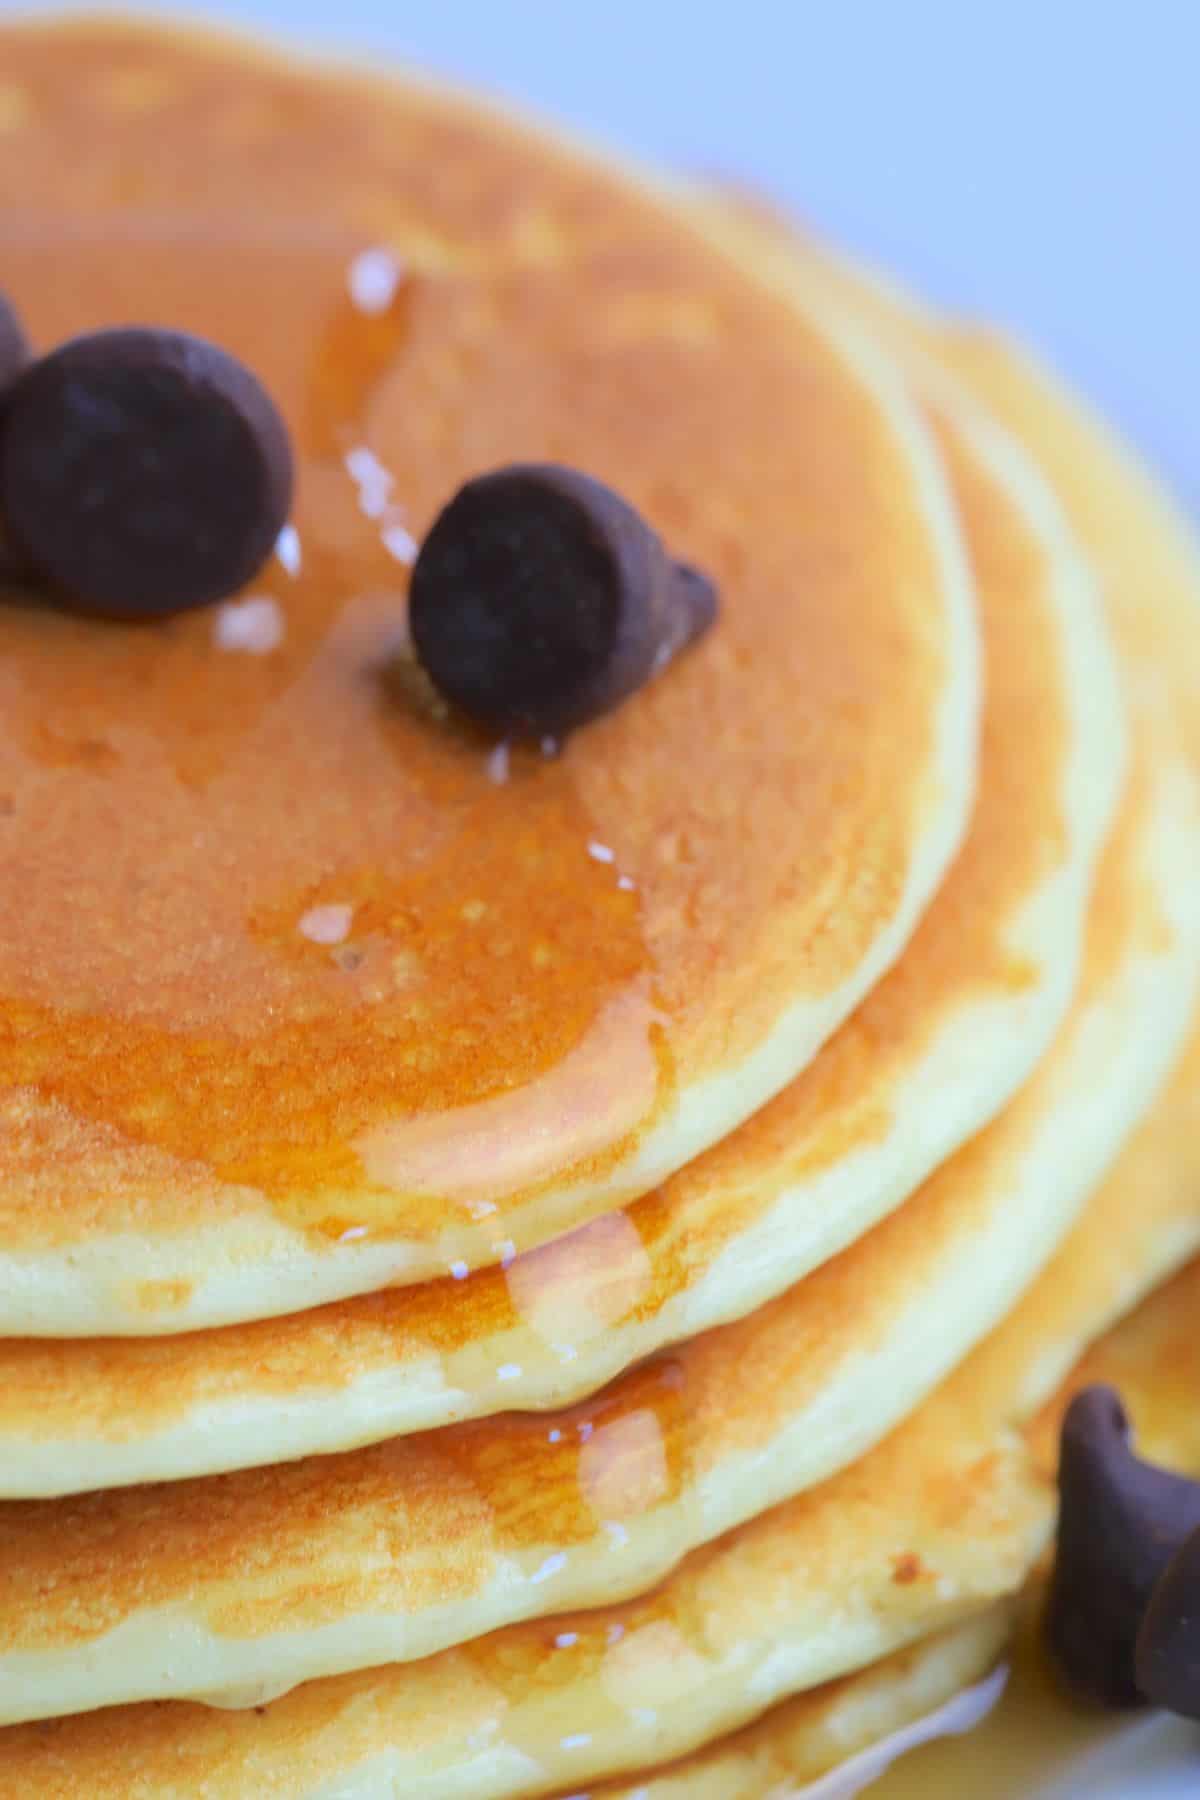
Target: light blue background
x,y
1039,159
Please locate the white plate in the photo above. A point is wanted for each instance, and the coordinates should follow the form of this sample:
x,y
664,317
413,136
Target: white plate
x,y
1158,1760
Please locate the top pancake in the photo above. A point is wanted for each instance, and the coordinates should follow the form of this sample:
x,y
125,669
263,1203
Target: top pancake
x,y
209,1116
933,1052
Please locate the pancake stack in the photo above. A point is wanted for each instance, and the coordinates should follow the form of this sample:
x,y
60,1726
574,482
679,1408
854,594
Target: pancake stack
x,y
551,1263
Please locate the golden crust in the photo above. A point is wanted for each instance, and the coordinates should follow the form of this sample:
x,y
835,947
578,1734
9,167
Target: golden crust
x,y
620,1286
943,1518
438,1537
504,1018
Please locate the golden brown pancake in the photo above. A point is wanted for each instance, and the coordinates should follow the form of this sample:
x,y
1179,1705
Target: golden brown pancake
x,y
826,1728
1135,538
564,974
936,1525
235,1586
933,1052
1143,551
1151,1358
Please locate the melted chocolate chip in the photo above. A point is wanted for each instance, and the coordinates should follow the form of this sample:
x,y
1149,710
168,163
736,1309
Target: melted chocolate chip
x,y
1168,1645
14,345
541,599
143,472
1120,1523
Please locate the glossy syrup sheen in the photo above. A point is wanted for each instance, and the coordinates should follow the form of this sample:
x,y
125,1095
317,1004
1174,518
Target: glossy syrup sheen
x,y
572,1313
952,1509
259,909
220,800
447,1534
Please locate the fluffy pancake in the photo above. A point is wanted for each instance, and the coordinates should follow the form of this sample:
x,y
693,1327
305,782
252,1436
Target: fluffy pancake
x,y
210,1117
932,1053
936,1525
841,1726
1138,543
1136,539
249,1583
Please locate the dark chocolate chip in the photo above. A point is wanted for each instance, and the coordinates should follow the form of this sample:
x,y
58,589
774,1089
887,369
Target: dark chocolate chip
x,y
14,345
541,599
1168,1646
15,353
12,570
143,472
1121,1521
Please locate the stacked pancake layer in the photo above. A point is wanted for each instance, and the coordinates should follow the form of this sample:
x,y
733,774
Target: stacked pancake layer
x,y
604,1307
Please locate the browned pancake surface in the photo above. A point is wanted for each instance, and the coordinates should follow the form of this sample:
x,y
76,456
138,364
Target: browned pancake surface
x,y
544,962
601,1289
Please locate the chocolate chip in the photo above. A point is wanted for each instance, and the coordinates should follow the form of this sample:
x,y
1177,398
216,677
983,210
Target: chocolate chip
x,y
14,354
1168,1645
541,599
1121,1521
143,472
12,571
14,345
